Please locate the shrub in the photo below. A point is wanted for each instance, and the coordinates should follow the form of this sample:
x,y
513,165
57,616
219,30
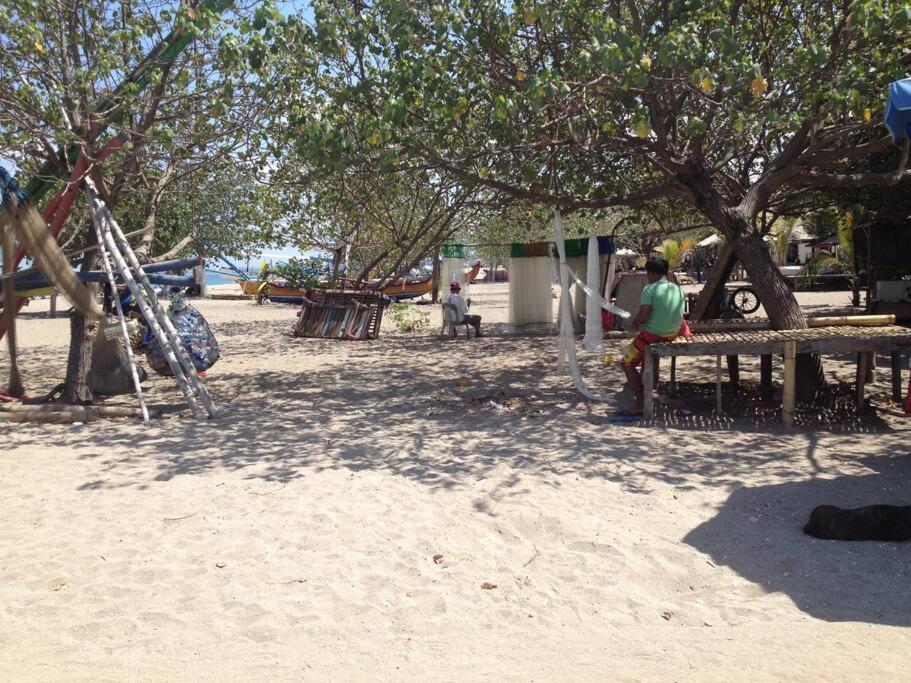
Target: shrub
x,y
409,318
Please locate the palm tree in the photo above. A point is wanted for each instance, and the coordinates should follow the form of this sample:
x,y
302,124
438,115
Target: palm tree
x,y
675,250
841,260
781,234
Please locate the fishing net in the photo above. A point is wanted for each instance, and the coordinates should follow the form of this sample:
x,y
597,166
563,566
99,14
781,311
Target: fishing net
x,y
531,303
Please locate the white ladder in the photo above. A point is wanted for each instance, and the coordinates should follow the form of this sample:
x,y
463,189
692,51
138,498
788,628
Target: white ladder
x,y
111,240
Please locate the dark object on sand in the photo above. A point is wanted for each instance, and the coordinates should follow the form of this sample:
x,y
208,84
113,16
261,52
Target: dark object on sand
x,y
870,523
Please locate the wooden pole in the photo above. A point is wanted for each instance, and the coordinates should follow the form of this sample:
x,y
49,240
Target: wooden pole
x,y
790,387
870,367
718,407
860,380
199,272
765,375
851,321
734,371
673,375
648,384
708,303
66,414
15,387
897,376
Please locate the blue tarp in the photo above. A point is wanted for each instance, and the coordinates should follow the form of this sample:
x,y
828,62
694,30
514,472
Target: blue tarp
x,y
898,110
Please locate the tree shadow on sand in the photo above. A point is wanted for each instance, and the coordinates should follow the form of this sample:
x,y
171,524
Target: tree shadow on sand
x,y
758,533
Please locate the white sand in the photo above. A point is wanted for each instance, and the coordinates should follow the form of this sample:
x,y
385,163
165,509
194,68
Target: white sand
x,y
296,535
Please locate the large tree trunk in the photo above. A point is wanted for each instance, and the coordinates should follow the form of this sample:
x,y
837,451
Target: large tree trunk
x,y
773,291
153,201
336,263
15,387
82,342
435,282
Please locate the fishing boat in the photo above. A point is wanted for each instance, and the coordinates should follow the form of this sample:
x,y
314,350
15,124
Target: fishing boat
x,y
408,288
400,289
273,291
414,287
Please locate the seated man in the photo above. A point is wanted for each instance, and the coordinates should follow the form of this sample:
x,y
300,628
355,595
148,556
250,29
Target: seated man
x,y
659,319
456,300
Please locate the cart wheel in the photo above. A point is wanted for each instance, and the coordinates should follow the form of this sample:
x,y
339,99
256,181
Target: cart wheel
x,y
745,299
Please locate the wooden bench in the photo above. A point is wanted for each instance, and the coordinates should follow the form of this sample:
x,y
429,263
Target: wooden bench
x,y
864,341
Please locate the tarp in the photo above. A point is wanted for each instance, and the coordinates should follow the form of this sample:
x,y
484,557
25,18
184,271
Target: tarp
x,y
711,241
898,110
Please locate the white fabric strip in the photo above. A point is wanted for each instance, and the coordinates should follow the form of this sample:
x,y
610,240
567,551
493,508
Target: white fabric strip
x,y
594,333
566,355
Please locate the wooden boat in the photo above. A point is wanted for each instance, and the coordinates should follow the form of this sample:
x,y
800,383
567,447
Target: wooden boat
x,y
399,289
412,288
272,291
408,288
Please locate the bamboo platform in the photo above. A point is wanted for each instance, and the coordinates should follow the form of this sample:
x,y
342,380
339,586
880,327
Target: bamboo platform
x,y
864,341
813,340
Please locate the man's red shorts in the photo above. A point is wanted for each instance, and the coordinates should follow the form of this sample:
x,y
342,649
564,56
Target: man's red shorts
x,y
636,349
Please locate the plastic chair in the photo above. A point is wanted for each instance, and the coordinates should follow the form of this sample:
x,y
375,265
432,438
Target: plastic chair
x,y
451,321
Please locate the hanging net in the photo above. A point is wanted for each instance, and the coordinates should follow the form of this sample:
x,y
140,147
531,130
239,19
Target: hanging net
x,y
531,273
452,267
566,354
594,334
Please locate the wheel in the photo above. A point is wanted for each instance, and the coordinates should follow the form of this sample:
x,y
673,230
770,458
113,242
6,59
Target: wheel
x,y
745,299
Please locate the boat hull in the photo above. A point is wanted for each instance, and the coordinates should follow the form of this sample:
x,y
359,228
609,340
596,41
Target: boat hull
x,y
275,293
396,290
400,291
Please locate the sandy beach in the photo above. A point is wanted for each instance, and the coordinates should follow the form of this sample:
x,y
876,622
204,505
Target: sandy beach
x,y
417,507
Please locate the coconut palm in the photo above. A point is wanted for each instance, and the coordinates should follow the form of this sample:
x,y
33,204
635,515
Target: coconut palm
x,y
841,260
675,250
781,234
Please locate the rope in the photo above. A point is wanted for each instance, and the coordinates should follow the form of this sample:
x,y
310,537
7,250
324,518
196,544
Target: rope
x,y
601,301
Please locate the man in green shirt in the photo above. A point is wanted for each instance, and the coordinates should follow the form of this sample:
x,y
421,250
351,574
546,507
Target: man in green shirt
x,y
659,319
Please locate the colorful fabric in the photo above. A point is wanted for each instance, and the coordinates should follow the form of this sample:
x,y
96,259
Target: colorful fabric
x,y
529,249
632,356
666,300
579,247
454,251
195,335
573,248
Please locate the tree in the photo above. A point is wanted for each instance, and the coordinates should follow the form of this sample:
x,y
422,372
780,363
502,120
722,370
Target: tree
x,y
384,219
62,67
731,107
217,210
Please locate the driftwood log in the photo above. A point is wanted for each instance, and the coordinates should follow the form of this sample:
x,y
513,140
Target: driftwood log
x,y
66,414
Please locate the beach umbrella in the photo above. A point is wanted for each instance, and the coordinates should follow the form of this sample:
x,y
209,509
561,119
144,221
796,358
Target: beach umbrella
x,y
898,110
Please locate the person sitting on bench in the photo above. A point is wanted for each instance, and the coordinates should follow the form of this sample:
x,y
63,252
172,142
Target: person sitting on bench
x,y
659,319
456,300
